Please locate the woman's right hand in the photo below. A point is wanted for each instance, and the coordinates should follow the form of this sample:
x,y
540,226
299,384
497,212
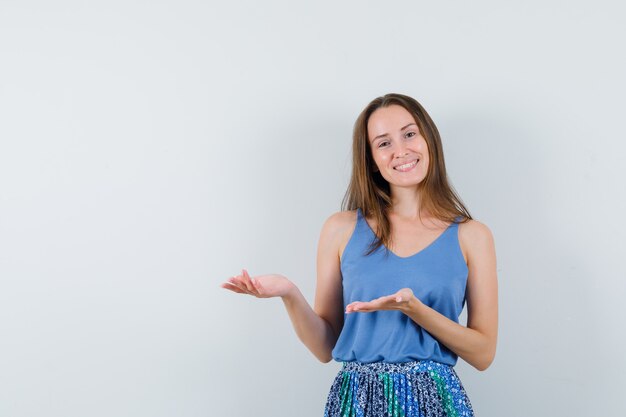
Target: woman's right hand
x,y
261,286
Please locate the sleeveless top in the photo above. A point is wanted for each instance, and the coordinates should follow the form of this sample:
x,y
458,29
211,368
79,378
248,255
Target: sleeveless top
x,y
437,275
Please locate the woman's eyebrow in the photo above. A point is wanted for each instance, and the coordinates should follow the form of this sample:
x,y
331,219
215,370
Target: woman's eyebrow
x,y
385,134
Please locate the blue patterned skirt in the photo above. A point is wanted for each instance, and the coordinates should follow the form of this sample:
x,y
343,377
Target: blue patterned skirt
x,y
409,389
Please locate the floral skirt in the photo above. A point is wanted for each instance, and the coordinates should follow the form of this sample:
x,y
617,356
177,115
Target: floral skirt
x,y
409,389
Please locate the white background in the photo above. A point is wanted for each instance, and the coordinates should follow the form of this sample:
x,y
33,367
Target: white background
x,y
151,149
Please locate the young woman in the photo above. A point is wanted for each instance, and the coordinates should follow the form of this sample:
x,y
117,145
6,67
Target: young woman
x,y
394,270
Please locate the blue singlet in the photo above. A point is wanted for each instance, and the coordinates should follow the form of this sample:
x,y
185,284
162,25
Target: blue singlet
x,y
437,275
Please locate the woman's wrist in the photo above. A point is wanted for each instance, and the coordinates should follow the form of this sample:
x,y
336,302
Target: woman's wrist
x,y
412,307
291,294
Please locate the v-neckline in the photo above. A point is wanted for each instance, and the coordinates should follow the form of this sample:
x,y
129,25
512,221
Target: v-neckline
x,y
416,253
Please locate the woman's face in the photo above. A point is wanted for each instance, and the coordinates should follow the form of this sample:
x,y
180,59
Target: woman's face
x,y
399,150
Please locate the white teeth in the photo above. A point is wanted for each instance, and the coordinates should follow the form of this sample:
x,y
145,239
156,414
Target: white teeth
x,y
406,166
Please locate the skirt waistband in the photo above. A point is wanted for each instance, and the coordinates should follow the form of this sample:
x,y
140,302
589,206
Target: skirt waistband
x,y
398,367
412,389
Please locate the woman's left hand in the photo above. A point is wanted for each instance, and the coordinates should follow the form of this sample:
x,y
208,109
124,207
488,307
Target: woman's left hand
x,y
397,301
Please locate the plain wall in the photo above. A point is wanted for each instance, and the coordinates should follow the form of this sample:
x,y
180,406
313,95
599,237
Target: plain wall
x,y
150,150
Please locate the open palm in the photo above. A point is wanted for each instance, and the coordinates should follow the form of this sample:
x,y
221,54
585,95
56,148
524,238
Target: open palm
x,y
397,301
261,286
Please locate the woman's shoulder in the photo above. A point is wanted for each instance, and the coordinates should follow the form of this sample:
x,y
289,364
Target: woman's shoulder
x,y
338,228
474,229
473,234
340,221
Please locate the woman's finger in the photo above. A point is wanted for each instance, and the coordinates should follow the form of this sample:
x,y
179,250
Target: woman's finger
x,y
355,306
257,286
233,288
239,284
248,286
246,280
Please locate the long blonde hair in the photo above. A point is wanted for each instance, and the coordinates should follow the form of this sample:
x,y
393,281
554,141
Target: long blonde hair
x,y
370,192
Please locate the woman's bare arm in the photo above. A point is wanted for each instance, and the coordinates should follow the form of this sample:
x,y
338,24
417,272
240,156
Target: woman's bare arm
x,y
318,328
476,343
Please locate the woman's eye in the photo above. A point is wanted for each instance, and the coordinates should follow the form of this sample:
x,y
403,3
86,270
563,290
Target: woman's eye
x,y
381,144
410,134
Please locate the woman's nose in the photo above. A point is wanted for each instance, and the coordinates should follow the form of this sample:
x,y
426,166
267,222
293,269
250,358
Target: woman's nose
x,y
401,152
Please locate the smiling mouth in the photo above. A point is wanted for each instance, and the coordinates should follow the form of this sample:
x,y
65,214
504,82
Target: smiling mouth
x,y
406,167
